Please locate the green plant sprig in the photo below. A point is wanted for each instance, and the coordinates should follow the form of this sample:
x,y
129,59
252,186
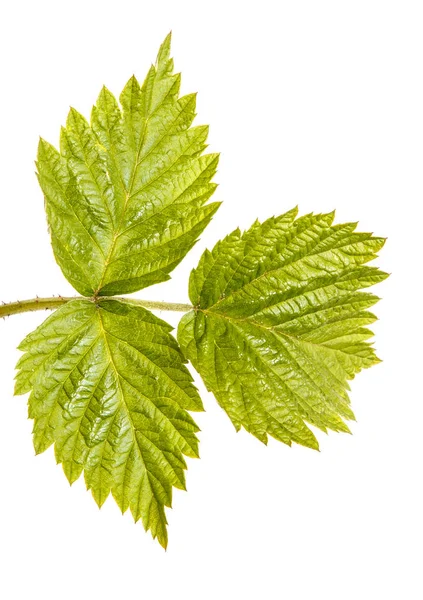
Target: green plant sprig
x,y
277,326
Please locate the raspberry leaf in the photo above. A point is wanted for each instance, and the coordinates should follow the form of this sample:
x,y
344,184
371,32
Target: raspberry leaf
x,y
126,195
110,390
280,323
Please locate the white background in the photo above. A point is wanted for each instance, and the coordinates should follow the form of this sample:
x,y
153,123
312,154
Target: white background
x,y
314,103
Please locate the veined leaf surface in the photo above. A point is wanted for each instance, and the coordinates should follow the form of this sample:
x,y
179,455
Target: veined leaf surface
x,y
126,196
280,323
110,390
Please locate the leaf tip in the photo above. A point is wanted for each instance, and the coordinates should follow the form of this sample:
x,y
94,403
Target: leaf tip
x,y
43,145
163,542
383,241
164,50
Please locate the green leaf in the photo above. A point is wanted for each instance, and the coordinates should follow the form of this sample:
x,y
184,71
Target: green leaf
x,y
280,323
110,390
126,196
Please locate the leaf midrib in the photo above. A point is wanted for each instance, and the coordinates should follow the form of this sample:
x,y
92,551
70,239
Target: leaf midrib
x,y
126,408
127,197
297,397
290,263
129,191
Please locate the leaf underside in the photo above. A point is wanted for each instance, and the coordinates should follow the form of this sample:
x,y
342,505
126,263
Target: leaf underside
x,y
110,390
280,323
126,196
